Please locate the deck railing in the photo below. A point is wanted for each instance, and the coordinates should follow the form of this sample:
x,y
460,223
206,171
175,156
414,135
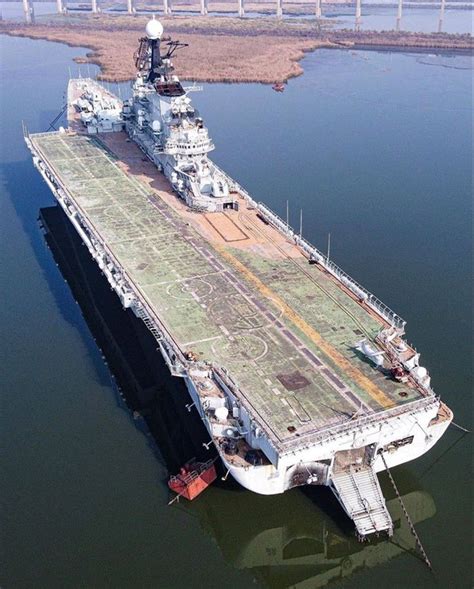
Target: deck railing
x,y
221,374
357,289
328,432
368,420
314,254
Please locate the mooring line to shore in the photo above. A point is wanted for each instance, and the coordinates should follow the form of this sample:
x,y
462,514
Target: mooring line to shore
x,y
463,429
405,512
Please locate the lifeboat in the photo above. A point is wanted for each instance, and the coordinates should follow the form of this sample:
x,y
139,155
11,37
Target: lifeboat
x,y
193,479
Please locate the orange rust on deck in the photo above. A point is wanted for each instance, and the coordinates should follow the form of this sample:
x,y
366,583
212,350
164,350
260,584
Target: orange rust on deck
x,y
226,227
444,414
132,160
373,390
265,241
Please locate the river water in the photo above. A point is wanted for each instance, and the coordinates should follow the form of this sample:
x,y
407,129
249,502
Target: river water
x,y
375,148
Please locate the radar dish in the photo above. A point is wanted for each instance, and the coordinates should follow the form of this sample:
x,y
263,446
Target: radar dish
x,y
154,29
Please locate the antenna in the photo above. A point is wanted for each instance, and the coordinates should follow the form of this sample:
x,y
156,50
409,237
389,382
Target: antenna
x,y
287,214
301,223
329,246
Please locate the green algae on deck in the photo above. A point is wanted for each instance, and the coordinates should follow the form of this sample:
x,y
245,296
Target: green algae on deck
x,y
218,313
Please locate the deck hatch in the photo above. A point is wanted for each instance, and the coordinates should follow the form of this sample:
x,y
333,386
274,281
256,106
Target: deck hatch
x,y
293,381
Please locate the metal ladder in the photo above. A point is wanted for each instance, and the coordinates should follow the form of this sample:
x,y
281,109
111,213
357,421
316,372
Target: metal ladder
x,y
149,323
359,493
363,501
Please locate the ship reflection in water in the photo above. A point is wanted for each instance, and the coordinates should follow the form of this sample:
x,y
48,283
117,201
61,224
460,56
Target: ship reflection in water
x,y
298,539
290,541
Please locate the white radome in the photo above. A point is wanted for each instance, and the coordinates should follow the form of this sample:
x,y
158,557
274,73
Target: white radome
x,y
154,29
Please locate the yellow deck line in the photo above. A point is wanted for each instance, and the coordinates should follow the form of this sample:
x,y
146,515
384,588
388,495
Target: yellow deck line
x,y
365,383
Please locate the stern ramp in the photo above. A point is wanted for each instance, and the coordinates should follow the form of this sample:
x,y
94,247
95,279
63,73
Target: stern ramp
x,y
357,489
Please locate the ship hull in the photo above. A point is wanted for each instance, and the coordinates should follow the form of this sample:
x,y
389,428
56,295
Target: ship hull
x,y
265,460
273,480
266,480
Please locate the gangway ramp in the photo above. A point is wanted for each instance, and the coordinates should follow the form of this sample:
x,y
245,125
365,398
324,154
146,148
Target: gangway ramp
x,y
358,490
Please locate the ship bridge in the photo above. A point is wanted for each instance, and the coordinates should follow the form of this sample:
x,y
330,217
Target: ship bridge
x,y
169,88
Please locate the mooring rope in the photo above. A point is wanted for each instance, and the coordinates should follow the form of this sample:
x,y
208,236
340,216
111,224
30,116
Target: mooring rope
x,y
410,523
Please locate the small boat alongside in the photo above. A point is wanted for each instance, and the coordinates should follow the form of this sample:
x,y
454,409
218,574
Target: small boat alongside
x,y
193,478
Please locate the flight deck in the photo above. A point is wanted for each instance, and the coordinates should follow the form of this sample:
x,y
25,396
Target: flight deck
x,y
230,290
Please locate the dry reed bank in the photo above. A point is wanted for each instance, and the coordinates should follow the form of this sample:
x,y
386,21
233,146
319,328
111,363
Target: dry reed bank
x,y
221,49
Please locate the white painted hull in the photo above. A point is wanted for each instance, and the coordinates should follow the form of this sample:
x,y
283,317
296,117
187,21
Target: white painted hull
x,y
268,480
265,480
400,434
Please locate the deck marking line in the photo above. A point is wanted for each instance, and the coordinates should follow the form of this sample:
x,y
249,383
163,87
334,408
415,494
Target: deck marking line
x,y
364,382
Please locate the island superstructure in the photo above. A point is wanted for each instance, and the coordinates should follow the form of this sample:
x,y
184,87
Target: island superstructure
x,y
301,376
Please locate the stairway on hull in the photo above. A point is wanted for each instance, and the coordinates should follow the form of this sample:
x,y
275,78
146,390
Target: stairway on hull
x,y
357,489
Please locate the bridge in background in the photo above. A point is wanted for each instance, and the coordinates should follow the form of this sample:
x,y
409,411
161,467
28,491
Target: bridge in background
x,y
167,9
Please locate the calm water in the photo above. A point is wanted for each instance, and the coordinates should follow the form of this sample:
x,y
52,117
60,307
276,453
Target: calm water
x,y
377,149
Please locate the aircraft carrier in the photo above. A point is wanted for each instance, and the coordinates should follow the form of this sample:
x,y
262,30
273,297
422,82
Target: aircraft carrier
x,y
300,375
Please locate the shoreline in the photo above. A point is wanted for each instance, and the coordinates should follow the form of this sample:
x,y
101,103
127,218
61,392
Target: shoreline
x,y
407,49
272,51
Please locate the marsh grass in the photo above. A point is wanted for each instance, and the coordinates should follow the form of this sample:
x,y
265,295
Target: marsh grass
x,y
221,49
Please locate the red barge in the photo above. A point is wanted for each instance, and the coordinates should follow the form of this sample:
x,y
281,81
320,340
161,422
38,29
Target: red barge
x,y
193,479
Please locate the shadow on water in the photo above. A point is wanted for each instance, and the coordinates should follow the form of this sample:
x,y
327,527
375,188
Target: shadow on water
x,y
156,401
22,174
300,536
